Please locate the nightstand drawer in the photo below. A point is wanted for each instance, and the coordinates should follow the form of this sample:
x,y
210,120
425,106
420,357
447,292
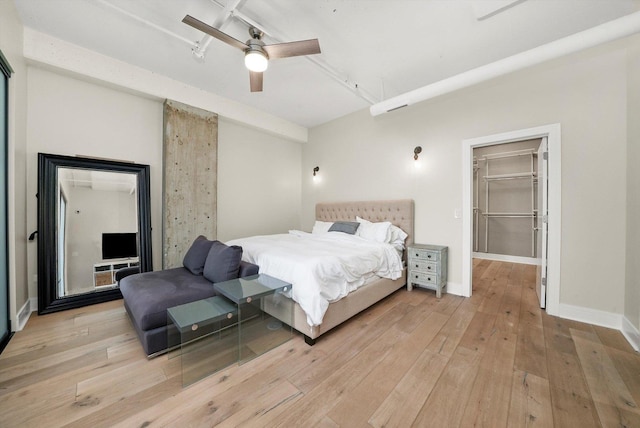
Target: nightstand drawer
x,y
424,278
418,253
424,266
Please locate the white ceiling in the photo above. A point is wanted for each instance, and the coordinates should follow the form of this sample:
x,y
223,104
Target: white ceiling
x,y
99,180
385,48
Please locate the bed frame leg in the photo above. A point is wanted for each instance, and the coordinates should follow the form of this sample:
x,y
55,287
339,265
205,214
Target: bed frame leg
x,y
309,341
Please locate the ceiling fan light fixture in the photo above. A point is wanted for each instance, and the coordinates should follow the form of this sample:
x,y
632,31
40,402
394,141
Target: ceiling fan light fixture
x,y
256,53
256,60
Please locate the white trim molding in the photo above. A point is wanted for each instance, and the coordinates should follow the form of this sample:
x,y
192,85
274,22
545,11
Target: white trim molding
x,y
631,333
590,316
25,311
552,132
505,258
454,288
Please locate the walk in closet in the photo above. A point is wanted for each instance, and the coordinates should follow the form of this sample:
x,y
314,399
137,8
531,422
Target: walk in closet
x,y
505,199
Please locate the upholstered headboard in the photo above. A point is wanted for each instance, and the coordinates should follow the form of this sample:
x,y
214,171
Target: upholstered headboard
x,y
398,212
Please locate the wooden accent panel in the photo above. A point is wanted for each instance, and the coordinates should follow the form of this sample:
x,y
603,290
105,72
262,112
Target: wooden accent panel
x,y
190,168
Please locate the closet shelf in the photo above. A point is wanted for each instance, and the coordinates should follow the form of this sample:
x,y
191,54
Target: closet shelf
x,y
515,153
509,176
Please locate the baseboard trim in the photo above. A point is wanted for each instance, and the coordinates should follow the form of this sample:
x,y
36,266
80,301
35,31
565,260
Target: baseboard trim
x,y
631,333
25,312
590,316
505,258
454,288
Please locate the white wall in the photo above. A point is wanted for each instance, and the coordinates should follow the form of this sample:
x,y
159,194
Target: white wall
x,y
258,172
258,184
11,42
43,49
73,117
361,157
632,290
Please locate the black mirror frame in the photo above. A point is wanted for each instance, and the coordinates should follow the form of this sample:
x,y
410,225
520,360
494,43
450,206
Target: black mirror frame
x,y
48,165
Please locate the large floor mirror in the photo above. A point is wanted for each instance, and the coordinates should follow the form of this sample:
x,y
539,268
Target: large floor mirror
x,y
93,220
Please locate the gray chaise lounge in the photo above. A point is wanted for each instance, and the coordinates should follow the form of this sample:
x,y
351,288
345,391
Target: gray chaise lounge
x,y
148,295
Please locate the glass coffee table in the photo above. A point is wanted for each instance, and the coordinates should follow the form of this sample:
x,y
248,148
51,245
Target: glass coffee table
x,y
265,314
204,335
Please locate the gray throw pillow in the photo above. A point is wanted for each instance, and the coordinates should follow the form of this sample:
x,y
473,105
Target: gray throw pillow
x,y
223,262
197,255
349,227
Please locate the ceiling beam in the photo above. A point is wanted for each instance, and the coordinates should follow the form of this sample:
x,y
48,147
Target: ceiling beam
x,y
607,32
66,58
488,8
219,23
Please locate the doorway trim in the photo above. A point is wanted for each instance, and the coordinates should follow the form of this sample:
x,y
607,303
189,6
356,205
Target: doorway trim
x,y
552,132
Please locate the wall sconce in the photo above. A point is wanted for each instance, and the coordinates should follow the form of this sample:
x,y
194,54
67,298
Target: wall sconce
x,y
315,172
416,162
416,152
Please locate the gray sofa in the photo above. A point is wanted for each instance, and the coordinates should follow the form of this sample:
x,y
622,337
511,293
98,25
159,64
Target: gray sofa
x,y
148,295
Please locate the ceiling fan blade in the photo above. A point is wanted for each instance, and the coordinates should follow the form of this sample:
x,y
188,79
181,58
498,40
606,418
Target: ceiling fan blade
x,y
214,32
285,50
255,79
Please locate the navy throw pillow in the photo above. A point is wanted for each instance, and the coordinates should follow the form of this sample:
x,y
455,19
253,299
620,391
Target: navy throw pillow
x,y
197,255
223,262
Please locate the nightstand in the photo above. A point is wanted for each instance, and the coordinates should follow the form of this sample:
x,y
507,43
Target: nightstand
x,y
427,267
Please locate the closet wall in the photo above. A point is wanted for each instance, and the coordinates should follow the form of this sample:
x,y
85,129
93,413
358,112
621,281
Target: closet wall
x,y
505,199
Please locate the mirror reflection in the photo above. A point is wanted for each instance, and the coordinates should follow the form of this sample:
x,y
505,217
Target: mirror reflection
x,y
96,233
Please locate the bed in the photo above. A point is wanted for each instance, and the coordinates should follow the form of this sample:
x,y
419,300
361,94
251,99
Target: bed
x,y
400,213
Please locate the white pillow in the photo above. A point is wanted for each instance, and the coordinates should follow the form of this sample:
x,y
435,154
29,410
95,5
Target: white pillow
x,y
321,226
397,237
377,232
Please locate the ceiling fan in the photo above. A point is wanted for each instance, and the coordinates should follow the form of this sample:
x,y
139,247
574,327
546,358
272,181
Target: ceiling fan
x,y
256,53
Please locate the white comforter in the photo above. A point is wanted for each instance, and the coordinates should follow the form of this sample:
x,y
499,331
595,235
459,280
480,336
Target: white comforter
x,y
323,267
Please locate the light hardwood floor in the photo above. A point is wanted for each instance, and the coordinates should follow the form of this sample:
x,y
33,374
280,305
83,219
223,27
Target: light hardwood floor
x,y
493,360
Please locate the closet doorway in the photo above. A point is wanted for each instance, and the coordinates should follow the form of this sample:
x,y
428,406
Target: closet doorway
x,y
505,202
509,205
510,198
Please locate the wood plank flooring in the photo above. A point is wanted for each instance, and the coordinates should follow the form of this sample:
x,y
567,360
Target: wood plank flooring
x,y
493,360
